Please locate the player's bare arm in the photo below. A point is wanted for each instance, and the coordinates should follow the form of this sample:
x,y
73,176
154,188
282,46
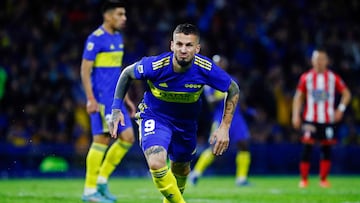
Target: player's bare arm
x,y
296,109
344,102
91,104
221,136
122,86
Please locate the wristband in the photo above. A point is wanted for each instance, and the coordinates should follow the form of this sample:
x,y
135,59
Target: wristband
x,y
117,103
342,107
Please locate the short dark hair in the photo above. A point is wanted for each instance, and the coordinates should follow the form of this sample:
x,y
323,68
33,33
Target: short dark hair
x,y
321,49
187,29
111,4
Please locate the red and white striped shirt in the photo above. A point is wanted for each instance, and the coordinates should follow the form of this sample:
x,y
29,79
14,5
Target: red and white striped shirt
x,y
319,90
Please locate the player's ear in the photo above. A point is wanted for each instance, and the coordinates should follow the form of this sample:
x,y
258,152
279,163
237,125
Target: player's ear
x,y
172,45
198,48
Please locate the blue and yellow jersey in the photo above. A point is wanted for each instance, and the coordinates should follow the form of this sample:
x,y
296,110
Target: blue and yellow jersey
x,y
106,50
176,96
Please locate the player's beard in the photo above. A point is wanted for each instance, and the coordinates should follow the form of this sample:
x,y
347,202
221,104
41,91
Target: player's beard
x,y
183,62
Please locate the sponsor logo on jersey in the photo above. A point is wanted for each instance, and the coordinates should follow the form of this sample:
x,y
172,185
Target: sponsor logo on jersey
x,y
320,95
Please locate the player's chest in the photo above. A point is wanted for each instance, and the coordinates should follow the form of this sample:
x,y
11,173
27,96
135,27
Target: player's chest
x,y
112,44
190,82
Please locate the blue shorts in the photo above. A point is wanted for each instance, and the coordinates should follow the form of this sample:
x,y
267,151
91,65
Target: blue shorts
x,y
177,137
239,130
98,119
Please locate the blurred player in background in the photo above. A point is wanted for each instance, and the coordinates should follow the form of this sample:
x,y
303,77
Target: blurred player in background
x,y
169,113
239,134
100,70
318,87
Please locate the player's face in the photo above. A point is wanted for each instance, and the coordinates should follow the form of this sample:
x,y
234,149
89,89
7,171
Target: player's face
x,y
185,47
319,60
117,18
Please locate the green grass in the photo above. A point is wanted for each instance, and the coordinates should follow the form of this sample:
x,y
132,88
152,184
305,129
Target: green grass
x,y
282,189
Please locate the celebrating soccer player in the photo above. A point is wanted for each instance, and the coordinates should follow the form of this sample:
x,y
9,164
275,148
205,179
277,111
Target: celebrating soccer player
x,y
239,135
100,69
318,87
168,114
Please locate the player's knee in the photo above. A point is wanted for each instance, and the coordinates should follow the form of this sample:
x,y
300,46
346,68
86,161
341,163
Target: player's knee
x,y
156,157
101,139
243,145
306,153
128,136
326,152
180,168
155,164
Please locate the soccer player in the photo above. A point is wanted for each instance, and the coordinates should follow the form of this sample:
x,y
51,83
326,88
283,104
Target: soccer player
x,y
318,87
100,69
239,134
168,114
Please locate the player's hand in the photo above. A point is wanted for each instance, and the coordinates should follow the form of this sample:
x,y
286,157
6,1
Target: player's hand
x,y
296,121
220,139
338,115
92,106
116,117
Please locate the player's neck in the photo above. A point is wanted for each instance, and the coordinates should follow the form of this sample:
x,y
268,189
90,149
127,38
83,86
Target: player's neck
x,y
320,70
108,28
179,69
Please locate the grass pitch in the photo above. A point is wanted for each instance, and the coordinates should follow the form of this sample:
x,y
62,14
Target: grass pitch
x,y
264,189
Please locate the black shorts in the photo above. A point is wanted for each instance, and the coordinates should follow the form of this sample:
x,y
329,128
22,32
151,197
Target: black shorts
x,y
316,132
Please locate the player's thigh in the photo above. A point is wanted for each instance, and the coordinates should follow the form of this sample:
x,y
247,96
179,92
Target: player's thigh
x,y
183,146
327,134
153,132
126,133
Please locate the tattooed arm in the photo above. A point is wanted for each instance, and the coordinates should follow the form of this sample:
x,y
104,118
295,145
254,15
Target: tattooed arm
x,y
122,86
221,136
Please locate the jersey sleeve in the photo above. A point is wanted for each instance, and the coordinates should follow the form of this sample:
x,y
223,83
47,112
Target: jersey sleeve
x,y
339,84
91,48
143,69
219,79
302,84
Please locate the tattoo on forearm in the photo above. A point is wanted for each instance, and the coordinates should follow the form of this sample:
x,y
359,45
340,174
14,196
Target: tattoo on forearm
x,y
231,102
124,82
154,150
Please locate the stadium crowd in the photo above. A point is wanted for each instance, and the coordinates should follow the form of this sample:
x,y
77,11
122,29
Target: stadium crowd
x,y
268,44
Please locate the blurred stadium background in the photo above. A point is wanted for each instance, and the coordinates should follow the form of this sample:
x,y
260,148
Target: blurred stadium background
x,y
44,127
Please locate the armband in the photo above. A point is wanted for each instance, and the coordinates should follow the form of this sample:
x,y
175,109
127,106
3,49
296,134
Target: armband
x,y
117,103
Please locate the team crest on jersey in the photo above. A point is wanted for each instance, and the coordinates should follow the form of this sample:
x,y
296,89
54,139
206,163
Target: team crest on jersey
x,y
112,47
90,46
121,46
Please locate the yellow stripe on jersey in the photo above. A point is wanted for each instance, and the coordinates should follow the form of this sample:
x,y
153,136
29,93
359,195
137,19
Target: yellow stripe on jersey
x,y
108,59
98,32
161,63
171,96
203,63
219,95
